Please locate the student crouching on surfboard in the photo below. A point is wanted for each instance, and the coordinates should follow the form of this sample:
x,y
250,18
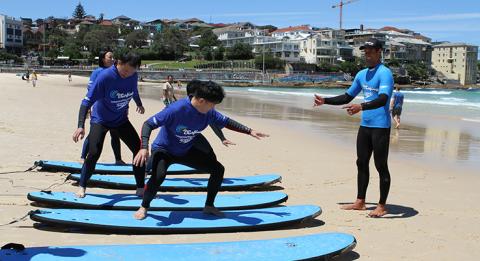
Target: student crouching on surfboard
x,y
111,93
181,122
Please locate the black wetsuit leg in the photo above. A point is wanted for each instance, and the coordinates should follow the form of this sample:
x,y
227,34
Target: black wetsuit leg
x,y
376,141
381,144
96,137
127,133
195,158
116,147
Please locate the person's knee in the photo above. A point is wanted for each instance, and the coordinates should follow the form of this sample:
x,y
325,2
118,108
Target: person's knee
x,y
362,163
219,170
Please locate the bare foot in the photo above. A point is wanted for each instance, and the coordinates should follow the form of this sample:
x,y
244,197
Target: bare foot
x,y
120,162
139,192
358,205
81,192
211,210
141,213
379,211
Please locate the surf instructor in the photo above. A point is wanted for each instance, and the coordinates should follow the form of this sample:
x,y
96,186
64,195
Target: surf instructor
x,y
376,83
111,93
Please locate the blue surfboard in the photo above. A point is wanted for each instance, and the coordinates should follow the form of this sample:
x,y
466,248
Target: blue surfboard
x,y
183,184
122,221
106,168
161,202
315,246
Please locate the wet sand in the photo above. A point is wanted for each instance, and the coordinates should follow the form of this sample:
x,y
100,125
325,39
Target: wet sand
x,y
432,204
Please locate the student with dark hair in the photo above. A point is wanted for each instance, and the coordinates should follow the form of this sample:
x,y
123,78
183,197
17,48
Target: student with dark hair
x,y
110,94
105,60
181,123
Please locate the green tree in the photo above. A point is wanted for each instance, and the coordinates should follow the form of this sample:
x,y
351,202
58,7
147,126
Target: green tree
x,y
170,44
208,39
207,53
271,62
219,53
72,49
136,39
327,67
79,12
240,51
417,71
100,38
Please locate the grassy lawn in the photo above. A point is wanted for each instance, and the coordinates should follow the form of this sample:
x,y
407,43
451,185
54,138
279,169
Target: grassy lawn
x,y
157,64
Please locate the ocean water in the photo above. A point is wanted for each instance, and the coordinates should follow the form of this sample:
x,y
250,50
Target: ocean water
x,y
440,126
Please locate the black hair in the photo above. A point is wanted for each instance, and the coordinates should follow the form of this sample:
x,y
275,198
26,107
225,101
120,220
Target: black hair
x,y
101,56
210,91
170,76
131,59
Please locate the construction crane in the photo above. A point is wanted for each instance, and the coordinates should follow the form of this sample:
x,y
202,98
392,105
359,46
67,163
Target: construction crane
x,y
340,5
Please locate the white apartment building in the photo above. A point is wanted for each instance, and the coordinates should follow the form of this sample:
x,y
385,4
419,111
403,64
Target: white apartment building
x,y
285,49
456,61
11,36
326,46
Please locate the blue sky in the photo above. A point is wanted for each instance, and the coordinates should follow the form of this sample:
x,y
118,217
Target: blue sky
x,y
441,20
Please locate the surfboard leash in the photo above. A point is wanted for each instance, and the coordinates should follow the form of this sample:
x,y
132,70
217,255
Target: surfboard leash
x,y
19,219
34,166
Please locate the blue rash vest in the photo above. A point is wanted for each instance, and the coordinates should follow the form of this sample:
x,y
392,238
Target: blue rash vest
x,y
373,82
180,123
110,95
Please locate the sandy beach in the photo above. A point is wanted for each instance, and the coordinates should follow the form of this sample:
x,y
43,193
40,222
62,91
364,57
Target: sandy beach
x,y
433,207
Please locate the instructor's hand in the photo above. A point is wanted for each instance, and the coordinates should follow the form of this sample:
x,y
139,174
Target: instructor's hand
x,y
140,158
258,135
78,134
318,101
227,143
140,109
352,108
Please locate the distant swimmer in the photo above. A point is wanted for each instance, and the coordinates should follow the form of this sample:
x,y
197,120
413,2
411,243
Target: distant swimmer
x,y
376,82
396,105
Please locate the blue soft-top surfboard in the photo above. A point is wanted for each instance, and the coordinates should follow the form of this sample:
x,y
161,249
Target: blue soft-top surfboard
x,y
105,168
161,202
183,184
316,246
122,221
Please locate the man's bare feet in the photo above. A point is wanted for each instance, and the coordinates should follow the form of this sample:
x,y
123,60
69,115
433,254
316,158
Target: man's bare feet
x,y
81,192
211,210
140,214
139,192
358,205
379,211
120,162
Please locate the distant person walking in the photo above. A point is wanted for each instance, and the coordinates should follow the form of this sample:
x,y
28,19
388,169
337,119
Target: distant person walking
x,y
69,77
396,106
376,82
168,91
34,77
